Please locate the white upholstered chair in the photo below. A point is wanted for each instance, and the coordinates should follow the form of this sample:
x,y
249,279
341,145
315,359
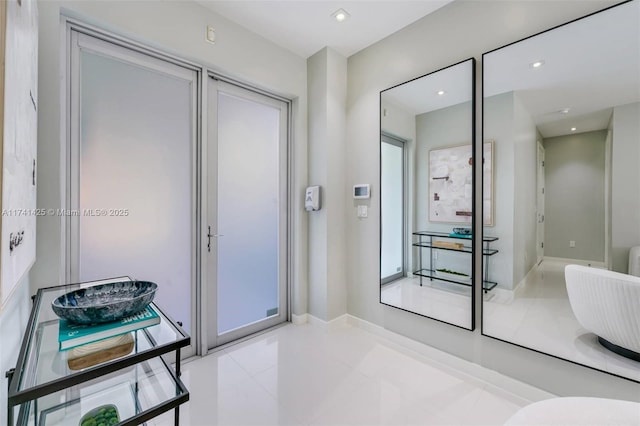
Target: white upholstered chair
x,y
607,304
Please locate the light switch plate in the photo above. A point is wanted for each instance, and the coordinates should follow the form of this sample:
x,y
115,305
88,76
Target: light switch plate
x,y
363,211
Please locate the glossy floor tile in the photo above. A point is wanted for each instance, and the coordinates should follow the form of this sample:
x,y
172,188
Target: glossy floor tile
x,y
539,316
307,375
441,300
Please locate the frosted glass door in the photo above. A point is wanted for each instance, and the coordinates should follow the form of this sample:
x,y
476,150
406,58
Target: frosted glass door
x,y
132,171
392,210
248,201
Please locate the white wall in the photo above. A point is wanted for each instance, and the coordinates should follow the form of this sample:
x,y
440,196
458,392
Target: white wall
x,y
327,80
625,196
499,128
524,195
460,30
13,322
177,27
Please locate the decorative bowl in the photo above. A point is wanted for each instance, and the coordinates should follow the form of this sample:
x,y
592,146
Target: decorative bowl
x,y
462,231
105,302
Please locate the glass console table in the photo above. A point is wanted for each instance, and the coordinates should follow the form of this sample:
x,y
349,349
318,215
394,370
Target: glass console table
x,y
428,240
44,390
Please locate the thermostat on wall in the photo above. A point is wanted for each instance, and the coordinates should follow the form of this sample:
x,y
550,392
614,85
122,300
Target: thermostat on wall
x,y
361,191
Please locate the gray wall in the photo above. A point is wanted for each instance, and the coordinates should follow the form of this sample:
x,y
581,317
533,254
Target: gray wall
x,y
445,127
574,196
460,30
625,181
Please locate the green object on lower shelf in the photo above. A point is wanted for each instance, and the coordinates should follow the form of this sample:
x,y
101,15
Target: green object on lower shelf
x,y
105,415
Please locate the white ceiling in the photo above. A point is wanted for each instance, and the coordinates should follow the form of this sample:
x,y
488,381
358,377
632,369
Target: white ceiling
x,y
590,66
306,26
421,95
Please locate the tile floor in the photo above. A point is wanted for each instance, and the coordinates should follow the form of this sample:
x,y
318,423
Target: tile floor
x,y
540,317
441,300
307,375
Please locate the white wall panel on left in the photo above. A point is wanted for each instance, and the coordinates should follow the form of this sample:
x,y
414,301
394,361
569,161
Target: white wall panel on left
x,y
19,145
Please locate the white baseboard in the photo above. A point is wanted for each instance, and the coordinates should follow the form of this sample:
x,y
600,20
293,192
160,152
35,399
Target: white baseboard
x,y
591,263
299,319
519,389
328,325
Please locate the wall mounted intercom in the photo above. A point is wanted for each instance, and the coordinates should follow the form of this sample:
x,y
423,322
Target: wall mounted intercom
x,y
312,199
361,190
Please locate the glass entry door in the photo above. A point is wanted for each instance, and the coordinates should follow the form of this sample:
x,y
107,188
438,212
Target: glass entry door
x,y
132,173
247,205
392,211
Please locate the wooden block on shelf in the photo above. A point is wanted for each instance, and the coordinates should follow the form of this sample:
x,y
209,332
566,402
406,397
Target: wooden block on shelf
x,y
448,244
101,351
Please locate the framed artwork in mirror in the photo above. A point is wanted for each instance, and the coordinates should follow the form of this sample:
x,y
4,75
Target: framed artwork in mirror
x,y
566,132
423,269
450,184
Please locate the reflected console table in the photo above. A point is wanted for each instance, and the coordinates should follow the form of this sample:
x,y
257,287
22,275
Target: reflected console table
x,y
430,240
44,390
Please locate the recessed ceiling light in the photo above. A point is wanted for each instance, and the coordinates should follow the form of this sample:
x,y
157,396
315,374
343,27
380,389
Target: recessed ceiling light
x,y
441,92
573,129
564,111
536,64
341,15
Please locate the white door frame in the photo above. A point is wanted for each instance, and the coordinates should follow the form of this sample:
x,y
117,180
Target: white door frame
x,y
540,198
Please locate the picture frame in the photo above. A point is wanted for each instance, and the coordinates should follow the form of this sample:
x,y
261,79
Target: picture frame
x,y
451,184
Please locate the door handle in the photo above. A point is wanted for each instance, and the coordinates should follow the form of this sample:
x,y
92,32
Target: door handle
x,y
209,235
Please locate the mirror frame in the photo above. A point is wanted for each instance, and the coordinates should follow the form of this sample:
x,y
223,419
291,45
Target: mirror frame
x,y
473,195
482,261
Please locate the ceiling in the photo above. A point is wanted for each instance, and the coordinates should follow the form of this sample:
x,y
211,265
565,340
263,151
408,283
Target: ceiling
x,y
589,66
306,26
421,95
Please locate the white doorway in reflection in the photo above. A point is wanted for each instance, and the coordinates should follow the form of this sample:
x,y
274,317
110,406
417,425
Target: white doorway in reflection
x,y
538,315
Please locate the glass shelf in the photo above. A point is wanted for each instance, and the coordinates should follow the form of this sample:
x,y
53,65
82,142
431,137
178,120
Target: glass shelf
x,y
43,373
430,242
135,391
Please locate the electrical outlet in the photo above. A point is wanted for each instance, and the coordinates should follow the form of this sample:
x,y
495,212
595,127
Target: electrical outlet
x,y
211,34
572,243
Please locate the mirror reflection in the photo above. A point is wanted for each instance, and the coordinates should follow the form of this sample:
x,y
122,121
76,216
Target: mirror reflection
x,y
426,133
563,110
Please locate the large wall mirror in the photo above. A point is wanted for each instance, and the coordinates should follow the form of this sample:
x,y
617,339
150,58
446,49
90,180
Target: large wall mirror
x,y
563,111
426,184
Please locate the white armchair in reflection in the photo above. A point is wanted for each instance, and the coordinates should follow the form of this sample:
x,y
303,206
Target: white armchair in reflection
x,y
607,304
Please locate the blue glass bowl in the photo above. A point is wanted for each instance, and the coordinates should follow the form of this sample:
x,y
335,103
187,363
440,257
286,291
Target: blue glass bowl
x,y
105,302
